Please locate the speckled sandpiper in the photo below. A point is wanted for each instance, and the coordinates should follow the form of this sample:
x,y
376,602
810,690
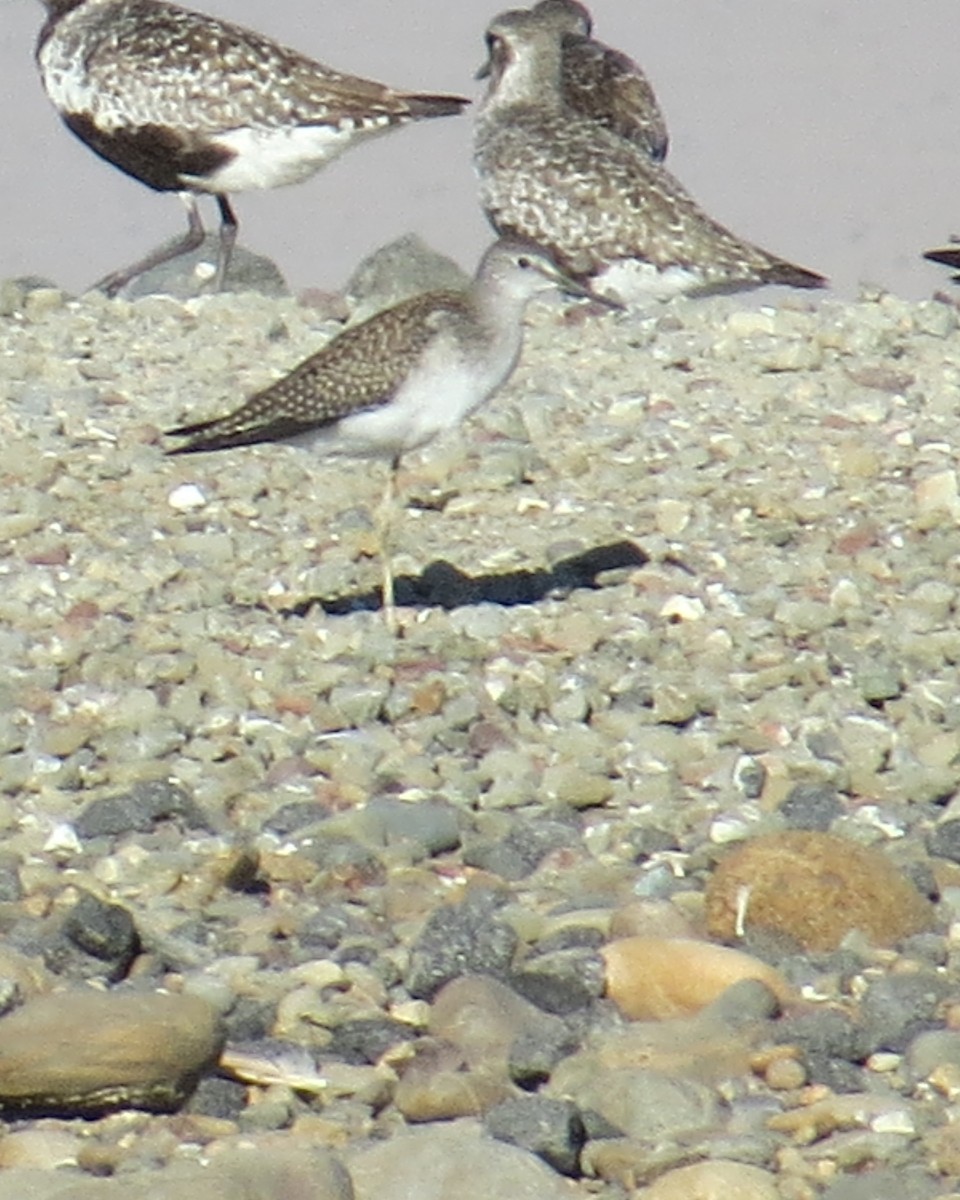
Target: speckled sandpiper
x,y
948,256
598,82
191,104
611,216
399,379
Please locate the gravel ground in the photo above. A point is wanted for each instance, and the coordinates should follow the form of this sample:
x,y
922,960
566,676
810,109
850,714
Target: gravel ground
x,y
690,580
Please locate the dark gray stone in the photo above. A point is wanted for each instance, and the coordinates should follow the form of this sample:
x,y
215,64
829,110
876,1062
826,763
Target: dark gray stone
x,y
840,1076
943,841
432,824
462,939
811,806
518,855
139,810
896,1008
825,1033
402,268
328,928
561,981
551,1129
104,931
248,272
534,1054
298,814
225,1099
744,1003
366,1040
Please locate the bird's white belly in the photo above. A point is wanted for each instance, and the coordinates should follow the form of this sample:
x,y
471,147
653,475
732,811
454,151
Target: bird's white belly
x,y
273,157
419,413
634,282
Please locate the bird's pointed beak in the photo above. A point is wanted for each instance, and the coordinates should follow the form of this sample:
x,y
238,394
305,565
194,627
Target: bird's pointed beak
x,y
573,287
484,71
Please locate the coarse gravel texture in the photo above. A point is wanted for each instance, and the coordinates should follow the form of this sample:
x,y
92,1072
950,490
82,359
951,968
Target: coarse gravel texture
x,y
691,577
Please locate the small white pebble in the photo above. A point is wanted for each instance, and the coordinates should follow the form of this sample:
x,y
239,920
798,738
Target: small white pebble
x,y
186,496
63,837
683,608
884,1061
897,1121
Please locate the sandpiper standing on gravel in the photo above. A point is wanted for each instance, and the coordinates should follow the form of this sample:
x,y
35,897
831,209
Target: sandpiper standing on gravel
x,y
188,103
397,380
611,216
598,82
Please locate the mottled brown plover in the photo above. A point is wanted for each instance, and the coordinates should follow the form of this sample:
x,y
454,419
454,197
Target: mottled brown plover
x,y
598,82
611,217
395,381
948,256
187,103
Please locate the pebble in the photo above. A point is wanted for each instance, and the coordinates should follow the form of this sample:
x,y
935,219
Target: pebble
x,y
551,1129
86,1052
458,1160
815,888
715,1180
460,939
654,979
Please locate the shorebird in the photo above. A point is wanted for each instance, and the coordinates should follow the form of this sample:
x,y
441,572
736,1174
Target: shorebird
x,y
611,217
598,82
398,379
191,104
948,256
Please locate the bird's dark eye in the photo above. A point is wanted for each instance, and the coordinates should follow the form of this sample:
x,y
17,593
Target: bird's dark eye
x,y
525,262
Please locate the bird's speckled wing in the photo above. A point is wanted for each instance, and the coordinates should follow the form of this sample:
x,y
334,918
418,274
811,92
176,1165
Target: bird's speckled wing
x,y
609,87
156,63
359,370
591,198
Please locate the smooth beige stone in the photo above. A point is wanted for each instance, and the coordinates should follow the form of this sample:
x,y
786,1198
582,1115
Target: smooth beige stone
x,y
86,1052
717,1180
655,979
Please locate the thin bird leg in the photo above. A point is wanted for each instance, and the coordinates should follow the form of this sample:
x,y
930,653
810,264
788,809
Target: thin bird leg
x,y
228,237
383,524
191,240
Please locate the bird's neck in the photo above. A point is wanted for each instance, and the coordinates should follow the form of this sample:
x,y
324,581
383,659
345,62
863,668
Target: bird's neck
x,y
59,8
528,78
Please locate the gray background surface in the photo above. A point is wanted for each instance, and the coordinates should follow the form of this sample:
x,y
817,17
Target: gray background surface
x,y
824,130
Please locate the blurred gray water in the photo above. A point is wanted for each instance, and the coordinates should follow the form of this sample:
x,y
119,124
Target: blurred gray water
x,y
826,131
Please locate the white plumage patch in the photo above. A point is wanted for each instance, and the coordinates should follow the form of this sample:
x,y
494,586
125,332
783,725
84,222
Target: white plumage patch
x,y
632,281
269,158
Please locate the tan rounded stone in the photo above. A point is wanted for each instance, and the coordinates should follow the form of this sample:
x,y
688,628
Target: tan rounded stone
x,y
814,888
717,1180
86,1052
655,979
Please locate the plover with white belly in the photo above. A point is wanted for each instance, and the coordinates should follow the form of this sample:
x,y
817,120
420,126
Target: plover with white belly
x,y
611,217
399,379
598,82
191,104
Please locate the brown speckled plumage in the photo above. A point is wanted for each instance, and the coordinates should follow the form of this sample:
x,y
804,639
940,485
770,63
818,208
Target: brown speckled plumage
x,y
359,370
596,201
602,84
